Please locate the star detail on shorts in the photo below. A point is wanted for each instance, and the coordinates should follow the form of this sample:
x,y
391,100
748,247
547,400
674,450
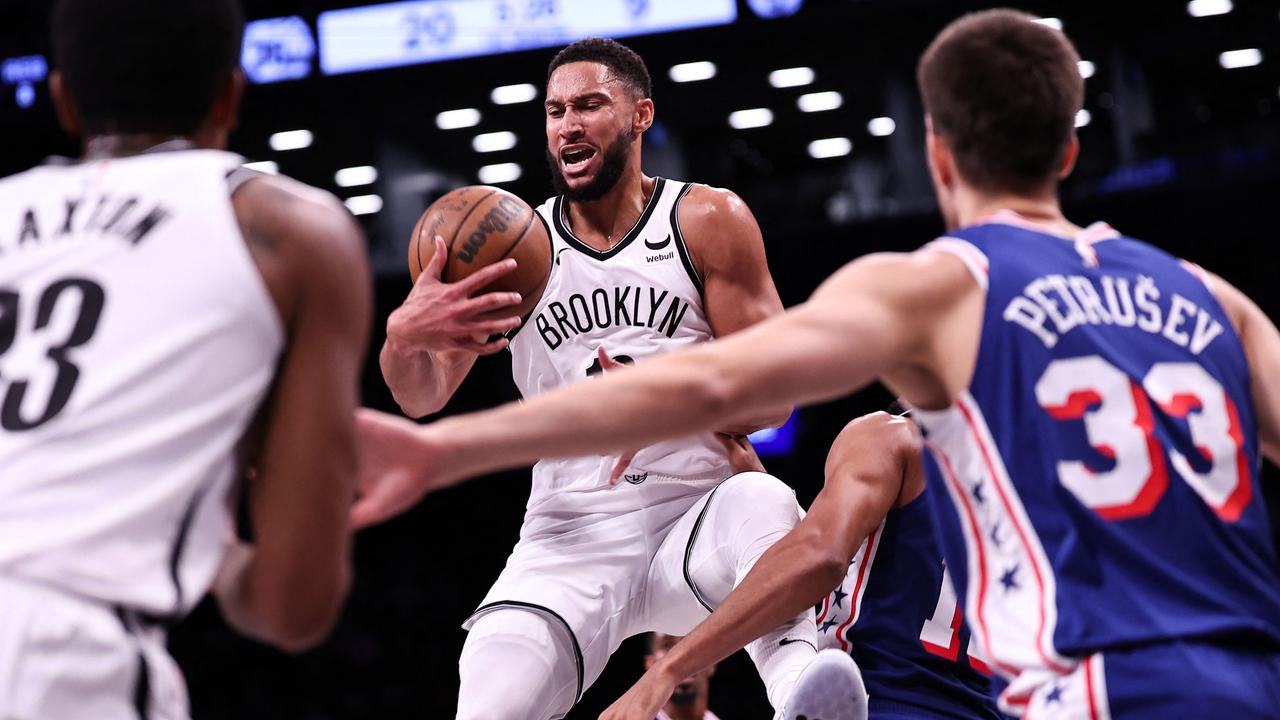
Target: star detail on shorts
x,y
976,491
839,595
995,534
828,625
1010,579
1054,696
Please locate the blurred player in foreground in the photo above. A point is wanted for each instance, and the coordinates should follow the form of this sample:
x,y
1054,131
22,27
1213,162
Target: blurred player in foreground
x,y
166,321
1094,410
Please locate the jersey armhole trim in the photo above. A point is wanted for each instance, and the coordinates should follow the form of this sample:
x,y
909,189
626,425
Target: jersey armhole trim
x,y
974,259
239,176
682,249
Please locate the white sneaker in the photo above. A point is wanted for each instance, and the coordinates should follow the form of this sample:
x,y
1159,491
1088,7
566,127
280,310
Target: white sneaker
x,y
830,688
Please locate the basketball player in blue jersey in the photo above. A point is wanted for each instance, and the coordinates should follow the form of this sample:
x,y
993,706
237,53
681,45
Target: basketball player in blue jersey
x,y
867,555
642,266
1095,410
168,321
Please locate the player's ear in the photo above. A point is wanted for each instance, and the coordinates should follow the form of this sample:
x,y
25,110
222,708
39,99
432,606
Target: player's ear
x,y
1069,156
642,119
941,163
63,106
226,106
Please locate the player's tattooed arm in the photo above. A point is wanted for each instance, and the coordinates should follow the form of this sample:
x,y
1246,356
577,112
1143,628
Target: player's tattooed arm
x,y
728,254
1262,350
870,466
289,589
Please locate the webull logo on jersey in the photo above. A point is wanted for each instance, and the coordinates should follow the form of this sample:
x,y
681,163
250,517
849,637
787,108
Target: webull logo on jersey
x,y
669,255
630,305
1053,305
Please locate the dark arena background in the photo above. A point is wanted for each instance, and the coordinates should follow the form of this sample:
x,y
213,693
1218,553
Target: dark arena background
x,y
808,110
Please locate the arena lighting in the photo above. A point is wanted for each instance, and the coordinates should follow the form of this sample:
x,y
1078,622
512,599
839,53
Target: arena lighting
x,y
830,147
363,204
264,166
291,140
1054,23
1205,8
513,94
356,176
1087,69
791,77
494,141
881,126
1083,117
692,71
460,118
500,173
753,118
819,101
1232,59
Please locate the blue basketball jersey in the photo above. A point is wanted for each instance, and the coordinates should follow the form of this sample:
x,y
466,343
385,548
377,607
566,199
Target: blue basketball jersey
x,y
896,614
1097,485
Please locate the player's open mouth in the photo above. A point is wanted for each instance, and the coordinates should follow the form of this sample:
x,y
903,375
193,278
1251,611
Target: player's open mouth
x,y
576,157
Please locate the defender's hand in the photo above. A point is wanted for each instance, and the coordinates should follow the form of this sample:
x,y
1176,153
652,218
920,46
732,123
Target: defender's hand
x,y
644,699
742,455
397,466
606,364
445,316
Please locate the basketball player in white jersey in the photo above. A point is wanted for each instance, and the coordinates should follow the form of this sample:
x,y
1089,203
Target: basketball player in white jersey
x,y
641,266
166,322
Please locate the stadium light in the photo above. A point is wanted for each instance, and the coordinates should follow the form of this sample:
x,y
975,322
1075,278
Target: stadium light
x,y
500,173
290,140
753,118
819,101
356,176
791,77
830,147
460,118
692,71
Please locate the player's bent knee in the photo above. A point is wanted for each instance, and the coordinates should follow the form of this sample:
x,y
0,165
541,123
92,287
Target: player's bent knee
x,y
758,493
514,667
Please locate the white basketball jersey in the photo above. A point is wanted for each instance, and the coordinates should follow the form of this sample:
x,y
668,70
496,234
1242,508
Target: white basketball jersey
x,y
641,298
137,339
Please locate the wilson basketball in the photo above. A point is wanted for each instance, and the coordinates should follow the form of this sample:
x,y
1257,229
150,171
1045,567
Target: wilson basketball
x,y
480,226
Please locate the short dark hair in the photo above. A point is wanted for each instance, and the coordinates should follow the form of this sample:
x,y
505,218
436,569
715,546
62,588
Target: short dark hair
x,y
1003,92
621,60
136,66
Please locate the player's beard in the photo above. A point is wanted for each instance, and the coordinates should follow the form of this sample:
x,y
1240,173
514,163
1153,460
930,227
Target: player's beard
x,y
612,165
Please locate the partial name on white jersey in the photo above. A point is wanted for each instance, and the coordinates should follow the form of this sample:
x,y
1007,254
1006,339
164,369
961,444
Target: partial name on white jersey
x,y
137,340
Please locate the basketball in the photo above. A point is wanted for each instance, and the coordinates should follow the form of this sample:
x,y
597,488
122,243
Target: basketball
x,y
480,226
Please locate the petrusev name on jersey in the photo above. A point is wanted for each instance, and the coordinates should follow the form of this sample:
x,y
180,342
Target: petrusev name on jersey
x,y
628,305
1053,305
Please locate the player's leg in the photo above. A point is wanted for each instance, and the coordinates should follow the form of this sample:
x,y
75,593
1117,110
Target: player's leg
x,y
516,664
709,552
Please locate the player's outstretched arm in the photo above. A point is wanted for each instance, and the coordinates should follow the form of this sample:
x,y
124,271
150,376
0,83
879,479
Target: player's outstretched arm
x,y
738,291
865,475
313,256
435,336
1262,349
880,314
